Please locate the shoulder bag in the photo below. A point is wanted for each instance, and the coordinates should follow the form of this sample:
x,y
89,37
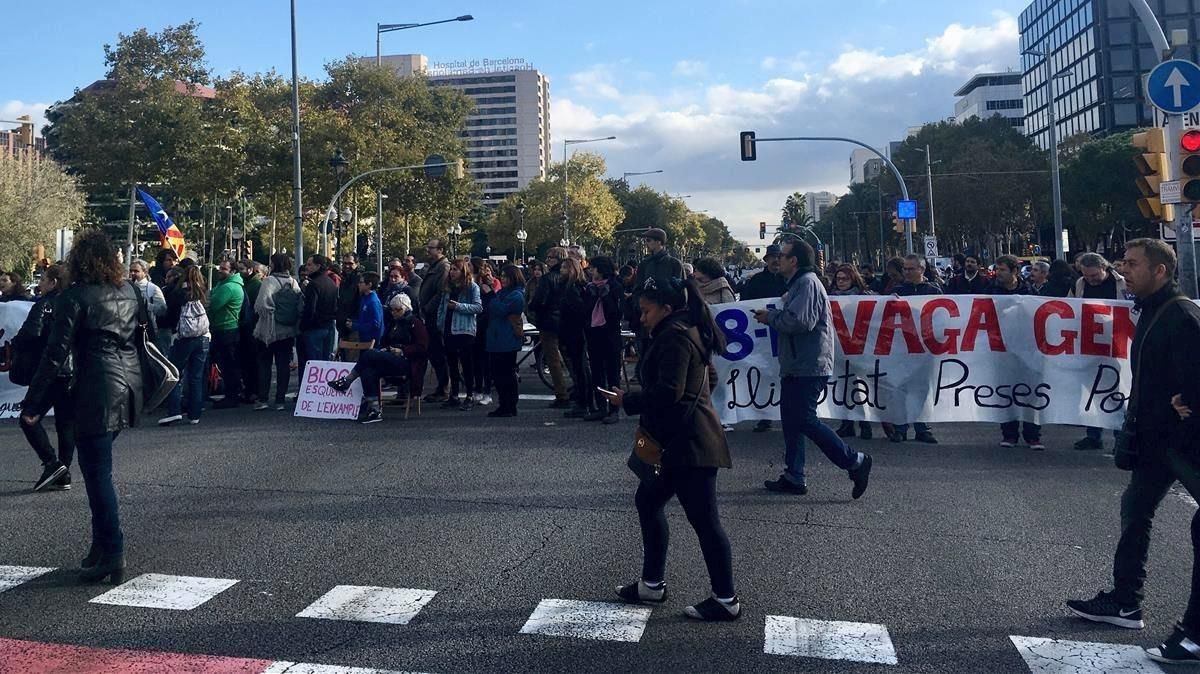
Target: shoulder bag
x,y
159,374
1125,452
647,457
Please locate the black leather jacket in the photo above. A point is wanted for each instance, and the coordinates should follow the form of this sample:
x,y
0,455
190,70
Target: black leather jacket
x,y
92,338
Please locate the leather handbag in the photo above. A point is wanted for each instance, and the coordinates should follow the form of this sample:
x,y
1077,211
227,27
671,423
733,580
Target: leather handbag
x,y
517,323
159,374
647,458
1125,452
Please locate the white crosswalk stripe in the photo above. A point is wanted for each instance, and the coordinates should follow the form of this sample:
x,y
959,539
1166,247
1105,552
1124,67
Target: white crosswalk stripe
x,y
1055,656
12,576
829,640
396,606
588,620
154,590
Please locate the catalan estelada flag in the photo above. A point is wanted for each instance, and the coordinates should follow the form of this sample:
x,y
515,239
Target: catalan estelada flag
x,y
168,233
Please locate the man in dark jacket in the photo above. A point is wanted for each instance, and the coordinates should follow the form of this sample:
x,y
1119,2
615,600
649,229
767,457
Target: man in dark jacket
x,y
347,293
318,322
658,265
547,310
1008,281
767,284
430,295
914,285
1165,450
971,281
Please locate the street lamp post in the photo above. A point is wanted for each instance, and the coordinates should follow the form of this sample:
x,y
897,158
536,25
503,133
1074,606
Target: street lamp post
x,y
296,194
452,233
1055,182
522,235
625,176
340,165
567,183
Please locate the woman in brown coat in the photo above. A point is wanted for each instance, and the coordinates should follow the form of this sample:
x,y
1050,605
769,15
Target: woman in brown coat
x,y
677,412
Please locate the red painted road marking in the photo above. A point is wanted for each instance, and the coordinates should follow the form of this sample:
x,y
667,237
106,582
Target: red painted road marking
x,y
31,657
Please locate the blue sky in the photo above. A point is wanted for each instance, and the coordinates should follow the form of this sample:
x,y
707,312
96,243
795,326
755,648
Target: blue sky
x,y
673,80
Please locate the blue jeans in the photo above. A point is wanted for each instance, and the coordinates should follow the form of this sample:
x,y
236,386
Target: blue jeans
x,y
95,462
190,355
319,344
798,410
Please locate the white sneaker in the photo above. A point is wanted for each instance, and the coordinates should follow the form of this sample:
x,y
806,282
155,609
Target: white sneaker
x,y
280,408
477,398
193,421
167,421
261,406
485,400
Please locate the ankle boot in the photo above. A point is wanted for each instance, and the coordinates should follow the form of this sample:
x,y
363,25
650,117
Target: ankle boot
x,y
93,556
108,566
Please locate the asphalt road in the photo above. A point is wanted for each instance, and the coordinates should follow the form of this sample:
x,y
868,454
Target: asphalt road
x,y
954,549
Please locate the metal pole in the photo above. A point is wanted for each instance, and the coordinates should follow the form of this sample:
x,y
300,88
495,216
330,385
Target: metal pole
x,y
296,196
1055,185
879,194
407,231
895,171
929,186
566,190
274,215
379,229
129,243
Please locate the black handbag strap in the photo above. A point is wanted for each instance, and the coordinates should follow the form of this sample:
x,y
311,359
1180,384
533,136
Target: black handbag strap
x,y
1131,412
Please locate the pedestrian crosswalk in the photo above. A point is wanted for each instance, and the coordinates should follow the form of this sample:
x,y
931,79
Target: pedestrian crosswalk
x,y
783,636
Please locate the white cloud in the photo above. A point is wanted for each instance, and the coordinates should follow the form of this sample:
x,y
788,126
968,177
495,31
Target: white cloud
x,y
689,128
692,69
10,110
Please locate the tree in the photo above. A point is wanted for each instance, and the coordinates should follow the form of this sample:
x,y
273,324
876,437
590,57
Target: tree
x,y
594,211
795,212
1099,191
36,198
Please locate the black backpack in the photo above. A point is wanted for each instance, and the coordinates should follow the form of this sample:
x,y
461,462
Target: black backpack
x,y
28,345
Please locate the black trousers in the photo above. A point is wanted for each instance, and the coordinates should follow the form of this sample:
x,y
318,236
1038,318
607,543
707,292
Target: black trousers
x,y
574,347
249,354
483,371
604,357
64,428
460,362
226,353
696,489
278,354
1031,432
437,356
503,365
1149,483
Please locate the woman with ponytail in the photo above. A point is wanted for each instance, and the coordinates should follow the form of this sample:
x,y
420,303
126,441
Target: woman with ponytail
x,y
677,412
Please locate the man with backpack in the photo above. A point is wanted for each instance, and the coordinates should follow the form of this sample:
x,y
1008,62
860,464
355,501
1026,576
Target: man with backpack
x,y
278,309
224,314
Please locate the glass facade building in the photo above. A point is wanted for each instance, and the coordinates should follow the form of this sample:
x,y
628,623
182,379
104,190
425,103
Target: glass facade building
x,y
1100,53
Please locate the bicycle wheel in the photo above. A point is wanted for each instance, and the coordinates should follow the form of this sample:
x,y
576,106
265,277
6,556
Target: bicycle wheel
x,y
542,370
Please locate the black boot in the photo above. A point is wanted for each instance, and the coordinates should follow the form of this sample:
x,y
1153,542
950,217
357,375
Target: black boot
x,y
108,566
93,556
846,430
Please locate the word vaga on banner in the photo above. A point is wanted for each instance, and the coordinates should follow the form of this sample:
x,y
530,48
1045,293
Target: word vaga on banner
x,y
942,358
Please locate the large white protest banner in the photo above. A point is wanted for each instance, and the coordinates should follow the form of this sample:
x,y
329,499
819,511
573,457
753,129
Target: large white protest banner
x,y
944,358
12,316
317,400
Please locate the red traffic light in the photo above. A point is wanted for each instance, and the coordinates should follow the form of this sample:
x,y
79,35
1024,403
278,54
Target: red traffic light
x,y
1190,141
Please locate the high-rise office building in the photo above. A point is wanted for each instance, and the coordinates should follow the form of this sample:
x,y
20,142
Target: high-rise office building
x,y
819,203
1098,54
989,94
507,136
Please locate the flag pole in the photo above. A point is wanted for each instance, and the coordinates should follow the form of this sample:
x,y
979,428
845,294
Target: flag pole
x,y
129,243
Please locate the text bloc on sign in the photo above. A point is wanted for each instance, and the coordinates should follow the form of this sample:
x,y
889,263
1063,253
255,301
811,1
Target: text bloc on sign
x,y
944,358
317,400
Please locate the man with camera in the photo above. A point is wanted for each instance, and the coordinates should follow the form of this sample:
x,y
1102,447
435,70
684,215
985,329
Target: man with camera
x,y
1158,444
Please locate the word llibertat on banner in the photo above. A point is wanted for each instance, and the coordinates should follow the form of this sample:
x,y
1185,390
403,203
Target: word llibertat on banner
x,y
317,400
944,358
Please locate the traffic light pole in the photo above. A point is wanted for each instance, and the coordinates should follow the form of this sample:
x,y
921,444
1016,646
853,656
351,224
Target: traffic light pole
x,y
1183,217
908,234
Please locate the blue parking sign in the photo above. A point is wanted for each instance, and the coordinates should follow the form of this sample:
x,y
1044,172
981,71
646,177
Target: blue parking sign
x,y
906,209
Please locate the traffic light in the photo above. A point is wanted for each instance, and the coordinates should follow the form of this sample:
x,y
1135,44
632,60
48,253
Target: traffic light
x,y
762,230
458,168
248,249
897,223
749,147
1189,167
1152,165
363,246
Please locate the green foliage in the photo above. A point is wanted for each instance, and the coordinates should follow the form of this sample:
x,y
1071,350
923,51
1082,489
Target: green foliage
x,y
594,211
1098,189
36,198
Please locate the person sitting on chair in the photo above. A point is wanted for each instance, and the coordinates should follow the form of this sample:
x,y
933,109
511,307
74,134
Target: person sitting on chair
x,y
401,353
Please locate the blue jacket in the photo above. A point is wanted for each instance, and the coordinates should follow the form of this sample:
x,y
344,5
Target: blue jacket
x,y
500,336
462,319
369,324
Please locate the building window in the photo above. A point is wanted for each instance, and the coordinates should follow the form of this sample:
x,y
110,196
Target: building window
x,y
1125,114
1176,7
1120,60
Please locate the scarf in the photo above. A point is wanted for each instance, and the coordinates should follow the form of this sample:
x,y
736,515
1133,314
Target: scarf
x,y
711,291
599,289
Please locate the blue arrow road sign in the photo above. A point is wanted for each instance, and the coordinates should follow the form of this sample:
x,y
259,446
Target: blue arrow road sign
x,y
1174,86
